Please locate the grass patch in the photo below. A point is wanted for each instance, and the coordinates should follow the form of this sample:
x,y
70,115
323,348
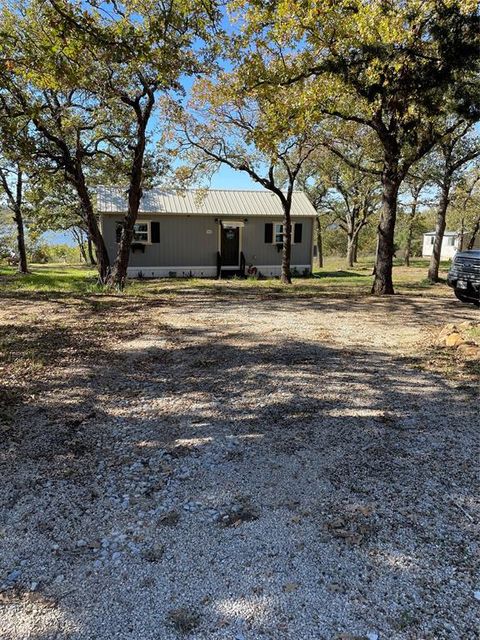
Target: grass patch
x,y
333,279
50,278
474,334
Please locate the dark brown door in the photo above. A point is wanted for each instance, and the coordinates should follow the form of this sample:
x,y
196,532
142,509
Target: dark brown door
x,y
230,246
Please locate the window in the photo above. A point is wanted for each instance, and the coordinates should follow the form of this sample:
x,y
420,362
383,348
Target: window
x,y
141,232
451,241
274,233
432,240
278,234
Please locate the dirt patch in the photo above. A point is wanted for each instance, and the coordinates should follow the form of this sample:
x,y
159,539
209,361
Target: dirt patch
x,y
278,465
453,351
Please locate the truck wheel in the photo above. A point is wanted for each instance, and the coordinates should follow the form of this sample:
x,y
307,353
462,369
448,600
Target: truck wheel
x,y
461,296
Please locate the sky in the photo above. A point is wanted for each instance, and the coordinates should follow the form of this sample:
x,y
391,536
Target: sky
x,y
227,178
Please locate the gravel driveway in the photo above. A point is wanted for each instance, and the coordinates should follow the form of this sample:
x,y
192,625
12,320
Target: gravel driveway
x,y
215,467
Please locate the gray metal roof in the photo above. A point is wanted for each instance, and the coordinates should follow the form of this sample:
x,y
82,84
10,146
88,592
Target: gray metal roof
x,y
221,202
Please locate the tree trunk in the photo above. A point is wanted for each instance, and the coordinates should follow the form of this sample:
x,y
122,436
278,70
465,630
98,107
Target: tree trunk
x,y
408,246
83,255
383,282
319,243
352,246
439,232
413,214
119,271
22,252
78,235
15,204
91,257
355,249
462,234
93,230
350,250
473,237
286,276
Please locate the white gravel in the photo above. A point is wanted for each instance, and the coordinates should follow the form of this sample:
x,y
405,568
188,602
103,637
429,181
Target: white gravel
x,y
252,469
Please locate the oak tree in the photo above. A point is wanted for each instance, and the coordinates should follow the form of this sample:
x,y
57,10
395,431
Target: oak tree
x,y
450,160
392,67
267,134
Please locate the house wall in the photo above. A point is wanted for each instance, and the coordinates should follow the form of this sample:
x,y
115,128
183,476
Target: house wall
x,y
448,250
190,244
259,253
184,241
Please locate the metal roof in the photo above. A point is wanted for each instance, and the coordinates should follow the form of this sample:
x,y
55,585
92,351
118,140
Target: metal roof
x,y
218,202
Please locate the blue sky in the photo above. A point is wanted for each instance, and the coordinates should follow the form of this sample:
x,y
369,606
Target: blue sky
x,y
227,178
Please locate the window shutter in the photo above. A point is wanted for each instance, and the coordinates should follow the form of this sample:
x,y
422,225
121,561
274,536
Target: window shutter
x,y
118,231
268,233
297,232
155,232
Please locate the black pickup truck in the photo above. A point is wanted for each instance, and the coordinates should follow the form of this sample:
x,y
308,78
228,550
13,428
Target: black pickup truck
x,y
464,276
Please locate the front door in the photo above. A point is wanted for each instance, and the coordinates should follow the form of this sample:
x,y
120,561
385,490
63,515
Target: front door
x,y
230,246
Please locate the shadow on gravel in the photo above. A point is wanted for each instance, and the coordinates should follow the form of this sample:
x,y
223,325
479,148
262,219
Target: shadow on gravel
x,y
392,447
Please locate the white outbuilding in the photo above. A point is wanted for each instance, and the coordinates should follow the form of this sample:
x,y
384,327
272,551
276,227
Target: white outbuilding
x,y
450,244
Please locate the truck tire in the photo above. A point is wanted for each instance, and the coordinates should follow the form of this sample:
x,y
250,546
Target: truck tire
x,y
461,296
466,299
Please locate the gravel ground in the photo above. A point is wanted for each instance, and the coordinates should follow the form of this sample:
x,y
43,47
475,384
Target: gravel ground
x,y
221,468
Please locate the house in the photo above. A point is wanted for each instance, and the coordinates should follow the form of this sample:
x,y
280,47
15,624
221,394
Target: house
x,y
206,233
452,242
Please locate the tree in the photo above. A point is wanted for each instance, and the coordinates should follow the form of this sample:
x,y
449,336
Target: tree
x,y
14,145
14,196
265,133
141,49
56,208
464,210
453,154
392,67
66,125
94,74
354,198
343,183
315,187
411,209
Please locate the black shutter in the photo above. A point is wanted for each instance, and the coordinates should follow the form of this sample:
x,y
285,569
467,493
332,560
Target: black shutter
x,y
118,231
155,232
297,232
268,233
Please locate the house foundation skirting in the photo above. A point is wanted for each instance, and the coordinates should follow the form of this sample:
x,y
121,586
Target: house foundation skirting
x,y
206,272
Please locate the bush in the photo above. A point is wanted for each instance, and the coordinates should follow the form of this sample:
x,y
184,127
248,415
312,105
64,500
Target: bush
x,y
42,253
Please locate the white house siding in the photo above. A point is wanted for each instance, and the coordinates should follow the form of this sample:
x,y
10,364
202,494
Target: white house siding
x,y
450,245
